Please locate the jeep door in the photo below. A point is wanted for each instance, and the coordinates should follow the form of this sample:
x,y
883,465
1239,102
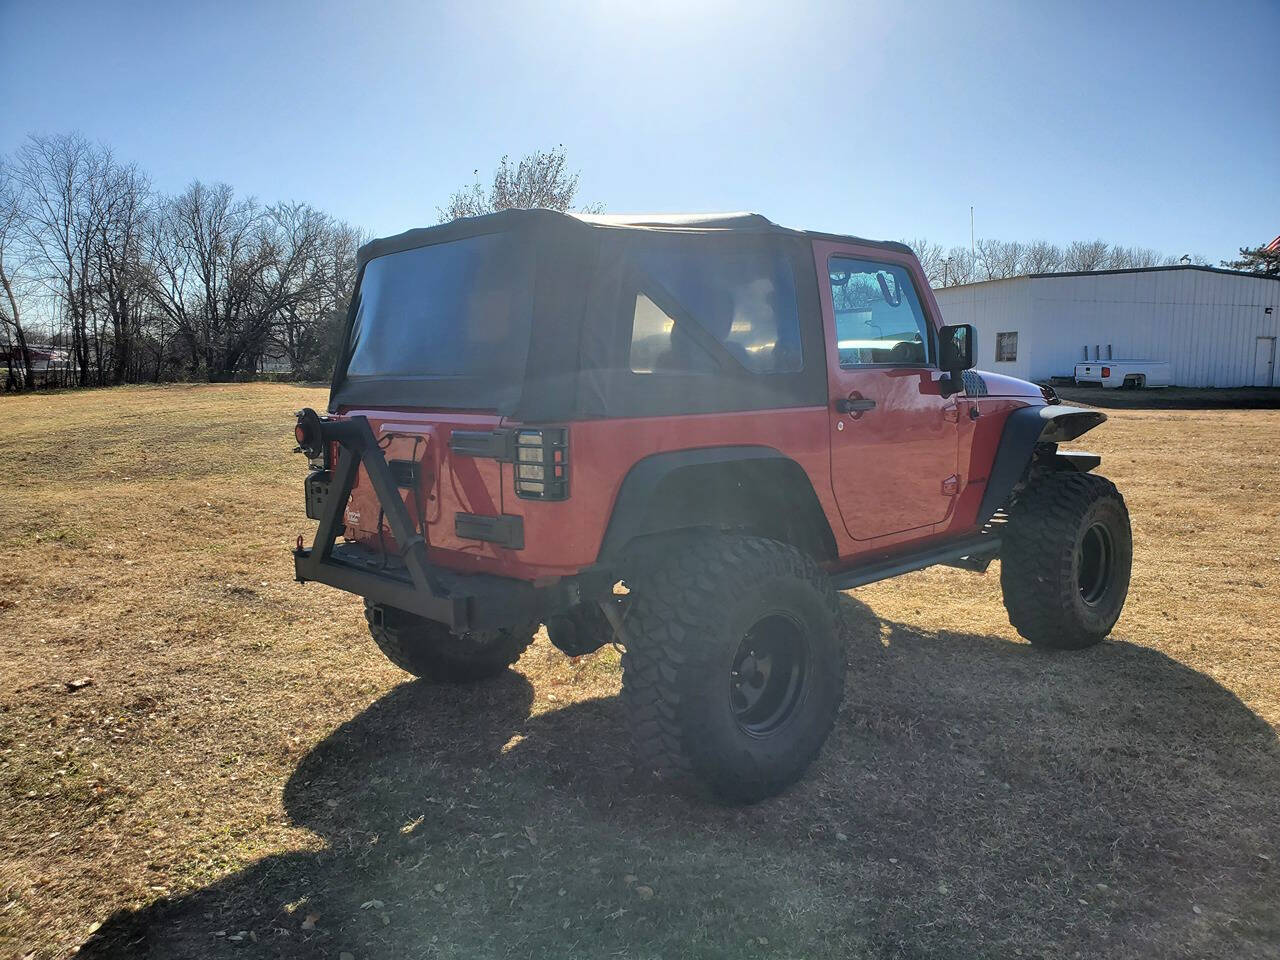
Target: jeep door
x,y
894,436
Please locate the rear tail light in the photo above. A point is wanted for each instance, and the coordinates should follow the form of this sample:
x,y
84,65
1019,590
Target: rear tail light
x,y
308,434
1106,372
542,464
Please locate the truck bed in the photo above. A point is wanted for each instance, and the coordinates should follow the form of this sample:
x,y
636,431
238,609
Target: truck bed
x,y
1123,373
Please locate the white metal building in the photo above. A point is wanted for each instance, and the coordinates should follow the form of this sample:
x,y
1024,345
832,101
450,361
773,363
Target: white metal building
x,y
1216,328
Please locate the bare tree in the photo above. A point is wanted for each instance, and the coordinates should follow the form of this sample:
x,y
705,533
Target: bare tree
x,y
209,254
239,284
11,266
83,219
1146,257
119,267
1041,256
57,177
931,257
321,254
959,266
986,253
999,259
131,286
1083,256
538,180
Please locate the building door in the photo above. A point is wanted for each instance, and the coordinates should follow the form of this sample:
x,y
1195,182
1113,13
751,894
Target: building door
x,y
894,436
1264,362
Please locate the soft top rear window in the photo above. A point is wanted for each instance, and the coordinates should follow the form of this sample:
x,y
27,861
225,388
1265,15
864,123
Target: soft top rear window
x,y
459,310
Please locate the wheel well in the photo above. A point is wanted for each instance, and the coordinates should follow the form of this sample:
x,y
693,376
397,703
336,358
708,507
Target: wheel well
x,y
764,494
1027,430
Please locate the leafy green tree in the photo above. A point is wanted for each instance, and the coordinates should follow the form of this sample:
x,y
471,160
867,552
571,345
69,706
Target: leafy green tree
x,y
1264,259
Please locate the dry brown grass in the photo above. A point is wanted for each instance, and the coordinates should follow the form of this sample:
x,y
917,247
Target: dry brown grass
x,y
244,758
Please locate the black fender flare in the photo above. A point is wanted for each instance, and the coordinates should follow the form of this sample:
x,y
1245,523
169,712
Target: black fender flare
x,y
642,506
1024,430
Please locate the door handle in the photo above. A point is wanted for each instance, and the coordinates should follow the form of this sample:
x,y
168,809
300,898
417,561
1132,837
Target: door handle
x,y
855,405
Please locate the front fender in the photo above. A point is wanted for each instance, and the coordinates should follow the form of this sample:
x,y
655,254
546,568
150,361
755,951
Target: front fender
x,y
1024,429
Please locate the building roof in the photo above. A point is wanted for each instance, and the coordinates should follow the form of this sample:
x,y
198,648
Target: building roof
x,y
1099,273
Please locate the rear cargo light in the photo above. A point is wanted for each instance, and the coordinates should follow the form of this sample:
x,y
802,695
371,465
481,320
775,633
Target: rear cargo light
x,y
542,464
1106,372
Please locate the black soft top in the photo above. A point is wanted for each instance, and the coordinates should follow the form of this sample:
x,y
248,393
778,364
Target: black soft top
x,y
739,222
578,277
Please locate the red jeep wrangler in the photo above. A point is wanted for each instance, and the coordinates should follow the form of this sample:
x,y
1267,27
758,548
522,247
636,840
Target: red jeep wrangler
x,y
684,435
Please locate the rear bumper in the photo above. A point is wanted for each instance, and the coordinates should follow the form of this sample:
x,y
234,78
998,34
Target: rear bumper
x,y
460,601
408,581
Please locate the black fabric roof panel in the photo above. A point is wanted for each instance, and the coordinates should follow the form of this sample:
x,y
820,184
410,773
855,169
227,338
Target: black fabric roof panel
x,y
547,219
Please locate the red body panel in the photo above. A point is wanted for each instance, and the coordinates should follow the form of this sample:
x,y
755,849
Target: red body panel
x,y
893,468
449,485
565,536
910,471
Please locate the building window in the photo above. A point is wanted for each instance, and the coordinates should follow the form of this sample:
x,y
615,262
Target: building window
x,y
1007,347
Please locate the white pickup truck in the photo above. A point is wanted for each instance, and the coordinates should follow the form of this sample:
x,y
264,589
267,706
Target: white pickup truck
x,y
1123,373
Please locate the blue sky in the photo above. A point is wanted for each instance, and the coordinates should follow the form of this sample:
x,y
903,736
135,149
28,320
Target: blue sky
x,y
1150,124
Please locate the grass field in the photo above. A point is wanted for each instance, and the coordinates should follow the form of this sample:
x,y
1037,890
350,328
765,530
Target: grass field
x,y
242,775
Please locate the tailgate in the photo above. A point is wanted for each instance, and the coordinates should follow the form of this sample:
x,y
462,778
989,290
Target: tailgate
x,y
435,485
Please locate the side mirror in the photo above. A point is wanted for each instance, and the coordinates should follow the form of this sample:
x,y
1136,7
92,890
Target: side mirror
x,y
957,347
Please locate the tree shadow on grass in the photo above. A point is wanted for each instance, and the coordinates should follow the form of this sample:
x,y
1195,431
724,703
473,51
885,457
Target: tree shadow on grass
x,y
977,797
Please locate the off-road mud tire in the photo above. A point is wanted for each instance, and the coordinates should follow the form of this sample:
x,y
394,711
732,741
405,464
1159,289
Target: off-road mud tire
x,y
428,650
1048,561
693,600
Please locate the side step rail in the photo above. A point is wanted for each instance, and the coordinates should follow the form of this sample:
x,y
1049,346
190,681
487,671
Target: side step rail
x,y
972,553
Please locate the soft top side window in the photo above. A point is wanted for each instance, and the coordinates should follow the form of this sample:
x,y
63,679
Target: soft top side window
x,y
706,307
879,320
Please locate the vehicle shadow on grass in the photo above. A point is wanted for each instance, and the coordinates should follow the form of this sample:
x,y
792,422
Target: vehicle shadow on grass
x,y
977,797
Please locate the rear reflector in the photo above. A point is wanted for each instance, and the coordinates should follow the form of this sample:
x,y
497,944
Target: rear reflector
x,y
542,464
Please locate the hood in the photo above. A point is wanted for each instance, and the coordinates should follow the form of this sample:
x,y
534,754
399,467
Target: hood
x,y
998,385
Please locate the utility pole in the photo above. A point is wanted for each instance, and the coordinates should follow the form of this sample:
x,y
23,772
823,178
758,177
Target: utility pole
x,y
973,250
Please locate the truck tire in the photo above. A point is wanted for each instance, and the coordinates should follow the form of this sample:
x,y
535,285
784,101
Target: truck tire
x,y
428,650
1066,559
734,663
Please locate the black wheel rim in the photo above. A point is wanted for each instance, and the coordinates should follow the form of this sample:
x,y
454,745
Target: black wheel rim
x,y
1097,560
767,677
